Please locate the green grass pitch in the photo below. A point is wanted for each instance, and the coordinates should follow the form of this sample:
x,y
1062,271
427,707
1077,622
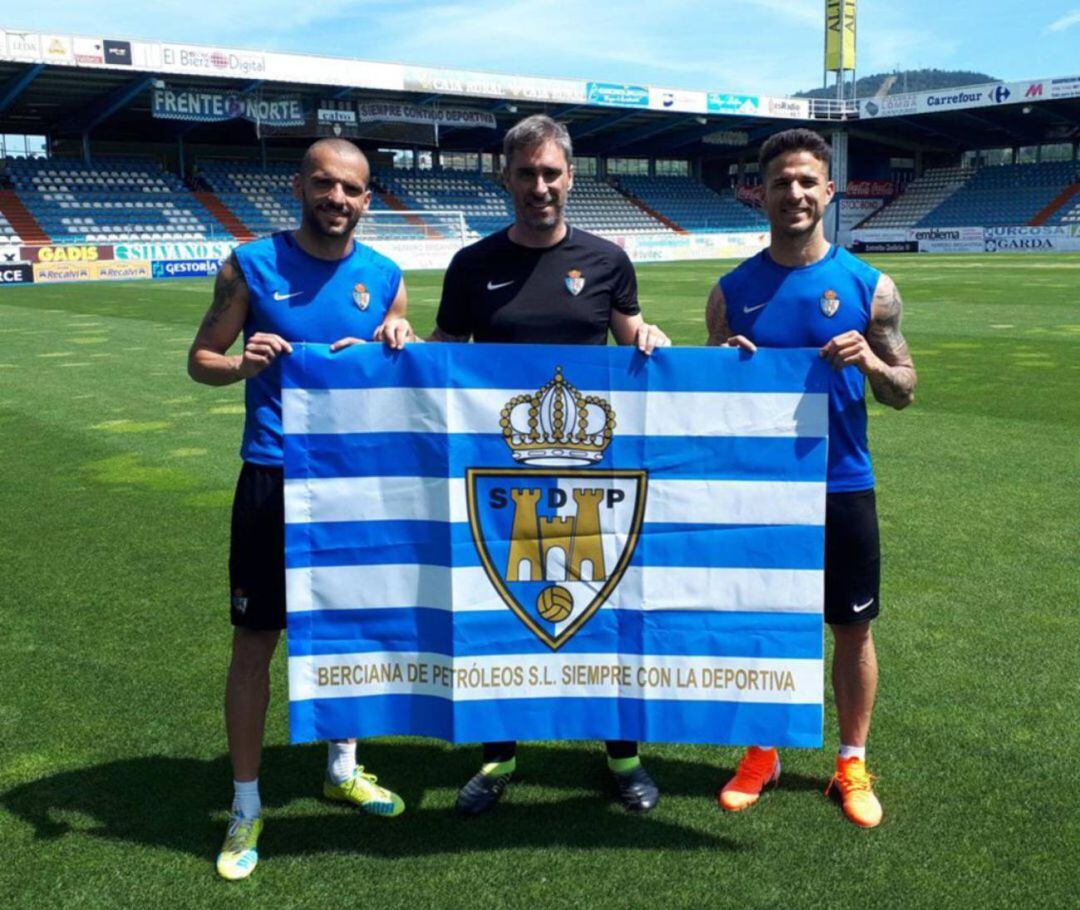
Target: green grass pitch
x,y
116,473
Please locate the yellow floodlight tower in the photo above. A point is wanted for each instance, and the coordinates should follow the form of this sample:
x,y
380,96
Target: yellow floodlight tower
x,y
840,44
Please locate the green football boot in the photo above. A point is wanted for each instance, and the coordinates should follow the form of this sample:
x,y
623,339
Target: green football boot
x,y
361,790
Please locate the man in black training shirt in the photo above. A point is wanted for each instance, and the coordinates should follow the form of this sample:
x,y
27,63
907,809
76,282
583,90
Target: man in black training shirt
x,y
541,281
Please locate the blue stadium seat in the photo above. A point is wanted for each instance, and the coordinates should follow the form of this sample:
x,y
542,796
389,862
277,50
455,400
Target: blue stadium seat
x,y
260,197
921,196
115,199
692,205
1004,195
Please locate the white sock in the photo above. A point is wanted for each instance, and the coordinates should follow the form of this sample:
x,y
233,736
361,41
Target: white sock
x,y
246,800
858,752
340,761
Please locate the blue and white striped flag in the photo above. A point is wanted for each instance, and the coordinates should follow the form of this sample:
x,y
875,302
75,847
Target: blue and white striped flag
x,y
493,542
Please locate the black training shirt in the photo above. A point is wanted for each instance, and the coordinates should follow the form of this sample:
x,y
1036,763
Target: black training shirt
x,y
497,290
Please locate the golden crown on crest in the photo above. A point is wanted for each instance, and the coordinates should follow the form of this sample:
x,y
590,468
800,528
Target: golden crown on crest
x,y
557,425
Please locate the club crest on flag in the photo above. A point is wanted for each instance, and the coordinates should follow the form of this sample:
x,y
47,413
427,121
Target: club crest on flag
x,y
555,536
361,296
829,304
575,282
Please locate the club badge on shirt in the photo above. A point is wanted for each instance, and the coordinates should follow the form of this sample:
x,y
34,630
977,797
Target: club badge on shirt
x,y
829,304
361,296
574,282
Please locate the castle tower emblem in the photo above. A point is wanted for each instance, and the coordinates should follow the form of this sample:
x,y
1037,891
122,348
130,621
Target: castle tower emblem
x,y
556,534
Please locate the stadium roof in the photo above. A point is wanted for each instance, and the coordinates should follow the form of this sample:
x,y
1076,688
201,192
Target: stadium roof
x,y
65,86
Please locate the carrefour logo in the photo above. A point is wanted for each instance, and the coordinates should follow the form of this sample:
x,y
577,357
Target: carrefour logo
x,y
952,100
1000,94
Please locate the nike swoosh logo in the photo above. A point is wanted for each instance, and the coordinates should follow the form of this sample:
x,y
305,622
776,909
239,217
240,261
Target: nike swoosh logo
x,y
279,296
751,309
495,287
858,608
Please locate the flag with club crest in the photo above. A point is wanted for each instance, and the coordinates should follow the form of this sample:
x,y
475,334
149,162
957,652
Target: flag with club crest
x,y
495,542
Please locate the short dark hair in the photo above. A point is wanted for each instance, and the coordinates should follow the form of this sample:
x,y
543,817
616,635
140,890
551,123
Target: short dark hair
x,y
533,131
796,140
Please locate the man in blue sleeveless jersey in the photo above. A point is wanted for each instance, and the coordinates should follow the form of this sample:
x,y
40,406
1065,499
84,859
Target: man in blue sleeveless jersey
x,y
315,284
804,292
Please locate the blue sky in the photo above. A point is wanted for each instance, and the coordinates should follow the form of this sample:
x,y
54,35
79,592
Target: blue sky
x,y
764,46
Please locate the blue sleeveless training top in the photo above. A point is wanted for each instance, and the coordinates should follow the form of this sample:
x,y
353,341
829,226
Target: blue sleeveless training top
x,y
778,307
302,298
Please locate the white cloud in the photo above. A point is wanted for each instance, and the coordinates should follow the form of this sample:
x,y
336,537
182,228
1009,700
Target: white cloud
x,y
1066,21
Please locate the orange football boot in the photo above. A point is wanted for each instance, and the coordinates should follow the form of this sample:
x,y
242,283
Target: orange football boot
x,y
853,785
757,768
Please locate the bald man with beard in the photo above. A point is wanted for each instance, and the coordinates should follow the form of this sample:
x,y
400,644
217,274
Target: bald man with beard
x,y
315,284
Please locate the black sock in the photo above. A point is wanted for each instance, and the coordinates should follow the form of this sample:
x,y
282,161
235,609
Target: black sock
x,y
621,748
496,753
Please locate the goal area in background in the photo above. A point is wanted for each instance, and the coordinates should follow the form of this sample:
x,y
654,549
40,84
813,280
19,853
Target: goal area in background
x,y
383,225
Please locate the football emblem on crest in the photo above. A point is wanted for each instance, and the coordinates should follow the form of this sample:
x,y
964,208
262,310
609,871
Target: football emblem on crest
x,y
555,533
829,303
574,282
361,296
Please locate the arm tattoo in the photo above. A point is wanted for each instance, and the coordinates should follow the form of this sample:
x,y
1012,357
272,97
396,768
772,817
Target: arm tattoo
x,y
716,319
230,281
895,385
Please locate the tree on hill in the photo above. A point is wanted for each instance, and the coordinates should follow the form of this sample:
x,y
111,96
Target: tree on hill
x,y
925,80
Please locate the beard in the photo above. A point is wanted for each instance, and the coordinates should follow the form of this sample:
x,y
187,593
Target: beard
x,y
543,222
320,219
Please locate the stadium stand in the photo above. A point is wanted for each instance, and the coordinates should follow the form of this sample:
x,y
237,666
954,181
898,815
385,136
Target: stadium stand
x,y
115,199
1010,194
922,196
123,199
261,199
7,232
692,205
593,205
1068,214
21,225
484,203
597,206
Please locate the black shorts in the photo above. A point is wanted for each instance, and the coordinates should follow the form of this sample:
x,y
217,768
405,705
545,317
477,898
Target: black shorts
x,y
257,552
852,558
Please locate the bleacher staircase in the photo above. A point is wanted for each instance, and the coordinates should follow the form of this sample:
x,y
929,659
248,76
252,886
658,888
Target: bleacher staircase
x,y
19,217
652,213
225,215
1056,204
396,205
922,196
